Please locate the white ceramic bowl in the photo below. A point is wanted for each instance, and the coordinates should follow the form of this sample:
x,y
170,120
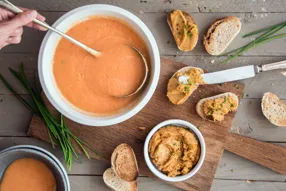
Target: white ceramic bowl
x,y
179,123
45,64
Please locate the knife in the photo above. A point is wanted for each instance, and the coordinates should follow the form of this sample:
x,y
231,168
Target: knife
x,y
239,73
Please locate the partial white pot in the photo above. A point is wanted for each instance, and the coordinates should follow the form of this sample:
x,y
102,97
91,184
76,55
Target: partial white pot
x,y
179,123
45,64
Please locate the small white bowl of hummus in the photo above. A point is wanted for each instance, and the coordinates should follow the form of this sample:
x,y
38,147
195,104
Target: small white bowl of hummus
x,y
174,150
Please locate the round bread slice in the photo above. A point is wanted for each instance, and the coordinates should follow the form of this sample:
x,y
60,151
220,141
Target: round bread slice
x,y
200,104
274,109
117,184
184,29
124,163
184,70
220,34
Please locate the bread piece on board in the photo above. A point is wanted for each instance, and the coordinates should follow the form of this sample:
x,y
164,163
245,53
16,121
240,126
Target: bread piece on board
x,y
200,104
220,34
178,97
124,163
274,109
184,30
117,184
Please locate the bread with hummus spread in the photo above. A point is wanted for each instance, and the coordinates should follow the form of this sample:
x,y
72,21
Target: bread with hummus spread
x,y
124,163
178,92
117,184
215,108
274,109
220,34
184,30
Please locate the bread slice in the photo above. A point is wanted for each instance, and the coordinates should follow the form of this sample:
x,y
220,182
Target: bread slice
x,y
124,163
182,100
117,184
220,34
184,30
274,109
200,104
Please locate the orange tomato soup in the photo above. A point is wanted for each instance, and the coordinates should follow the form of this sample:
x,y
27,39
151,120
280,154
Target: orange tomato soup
x,y
28,174
90,83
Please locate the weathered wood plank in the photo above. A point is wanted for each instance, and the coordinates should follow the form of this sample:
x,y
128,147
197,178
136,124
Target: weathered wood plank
x,y
250,121
164,5
232,166
255,87
91,183
158,25
236,185
15,118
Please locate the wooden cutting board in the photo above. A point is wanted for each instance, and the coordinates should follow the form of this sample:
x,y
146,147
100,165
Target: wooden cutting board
x,y
105,139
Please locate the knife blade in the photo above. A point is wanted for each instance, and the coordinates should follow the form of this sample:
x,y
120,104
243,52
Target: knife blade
x,y
235,74
230,75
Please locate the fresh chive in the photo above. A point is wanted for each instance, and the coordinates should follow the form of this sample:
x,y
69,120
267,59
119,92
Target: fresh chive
x,y
265,37
58,131
263,30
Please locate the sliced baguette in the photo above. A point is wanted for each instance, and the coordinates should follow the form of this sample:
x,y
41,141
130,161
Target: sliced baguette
x,y
274,109
220,34
116,183
183,70
200,104
124,163
186,37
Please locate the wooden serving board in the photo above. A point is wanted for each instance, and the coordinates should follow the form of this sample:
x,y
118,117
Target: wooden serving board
x,y
105,139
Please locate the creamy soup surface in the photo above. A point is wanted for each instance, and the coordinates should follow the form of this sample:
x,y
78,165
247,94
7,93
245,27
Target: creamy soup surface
x,y
90,83
28,174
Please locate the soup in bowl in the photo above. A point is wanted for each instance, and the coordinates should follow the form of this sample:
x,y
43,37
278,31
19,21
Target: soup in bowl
x,y
85,88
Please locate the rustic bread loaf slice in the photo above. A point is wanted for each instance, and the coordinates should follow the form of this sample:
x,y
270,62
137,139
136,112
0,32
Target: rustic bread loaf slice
x,y
274,109
220,34
124,163
116,183
200,104
184,29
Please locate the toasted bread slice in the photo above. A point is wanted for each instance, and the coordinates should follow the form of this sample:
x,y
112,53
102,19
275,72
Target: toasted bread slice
x,y
117,184
220,34
180,98
124,163
274,109
200,104
184,30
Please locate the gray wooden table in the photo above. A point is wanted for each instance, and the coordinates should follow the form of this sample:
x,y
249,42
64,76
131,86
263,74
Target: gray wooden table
x,y
233,173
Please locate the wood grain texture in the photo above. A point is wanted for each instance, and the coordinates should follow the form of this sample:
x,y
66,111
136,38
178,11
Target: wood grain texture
x,y
265,154
159,28
105,139
164,5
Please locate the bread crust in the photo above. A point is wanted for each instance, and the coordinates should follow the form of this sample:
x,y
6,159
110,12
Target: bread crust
x,y
211,38
115,183
125,151
200,104
195,35
274,109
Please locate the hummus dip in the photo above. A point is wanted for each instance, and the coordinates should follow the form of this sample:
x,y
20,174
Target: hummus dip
x,y
174,150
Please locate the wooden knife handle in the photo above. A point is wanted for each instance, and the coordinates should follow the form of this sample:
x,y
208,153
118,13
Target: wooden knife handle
x,y
266,154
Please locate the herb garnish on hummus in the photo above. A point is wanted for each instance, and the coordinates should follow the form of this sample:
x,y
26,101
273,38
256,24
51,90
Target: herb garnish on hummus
x,y
174,150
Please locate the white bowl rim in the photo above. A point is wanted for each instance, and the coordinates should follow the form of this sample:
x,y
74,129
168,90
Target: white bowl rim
x,y
91,121
44,151
184,124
